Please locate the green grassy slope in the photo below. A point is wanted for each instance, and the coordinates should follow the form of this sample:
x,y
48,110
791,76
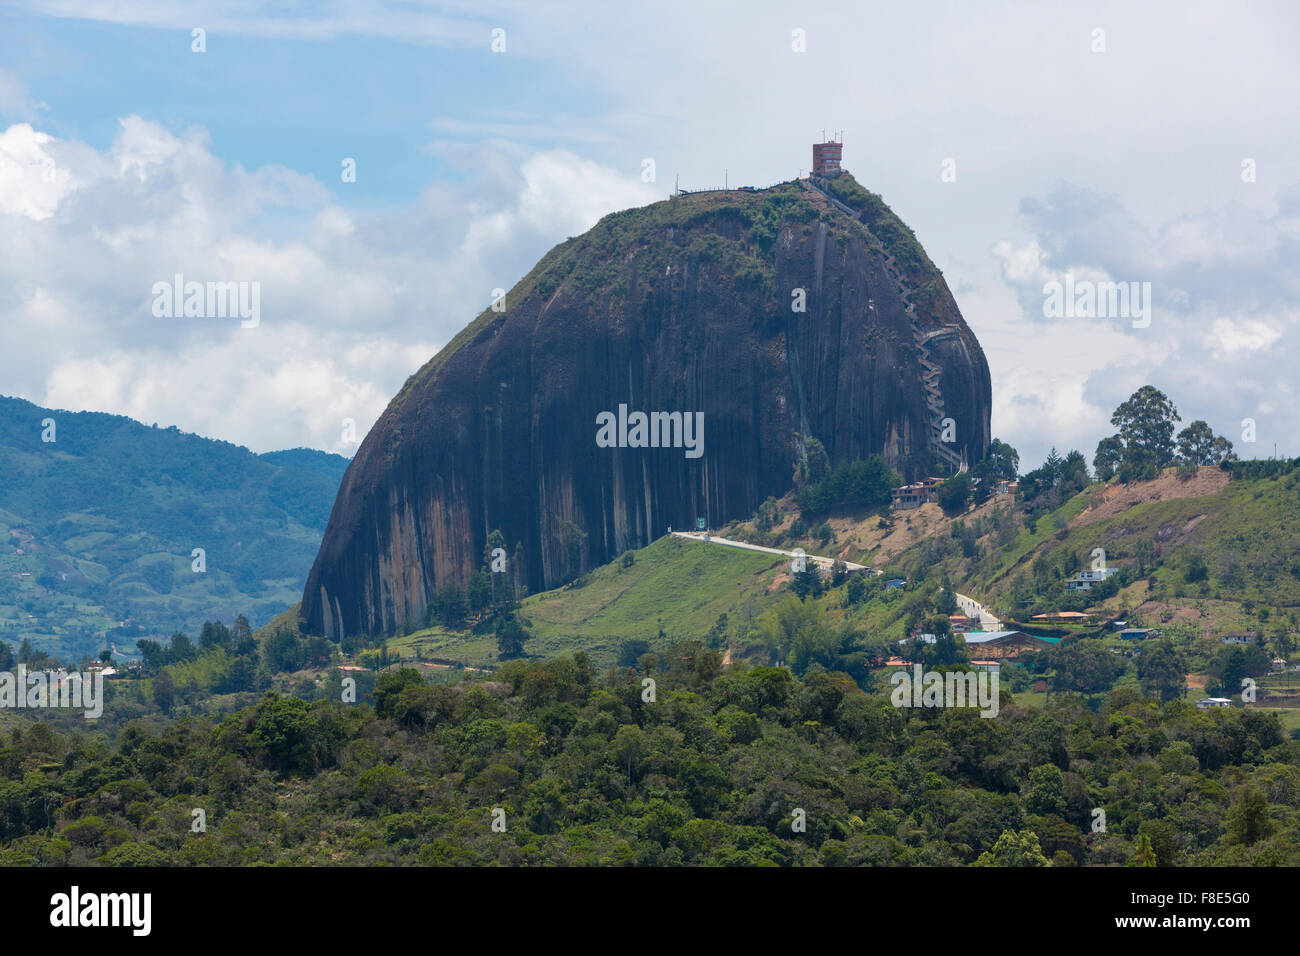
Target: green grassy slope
x,y
679,587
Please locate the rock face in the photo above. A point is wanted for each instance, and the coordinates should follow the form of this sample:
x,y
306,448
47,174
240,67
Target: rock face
x,y
691,305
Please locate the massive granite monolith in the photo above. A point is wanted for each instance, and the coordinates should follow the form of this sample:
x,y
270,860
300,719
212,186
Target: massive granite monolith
x,y
691,305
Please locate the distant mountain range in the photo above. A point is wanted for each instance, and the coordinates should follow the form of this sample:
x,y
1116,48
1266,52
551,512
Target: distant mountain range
x,y
99,528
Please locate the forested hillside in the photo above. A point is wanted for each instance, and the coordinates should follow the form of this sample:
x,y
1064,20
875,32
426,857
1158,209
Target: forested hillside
x,y
576,768
100,516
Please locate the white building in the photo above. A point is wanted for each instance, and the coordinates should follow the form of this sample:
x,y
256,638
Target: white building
x,y
1084,580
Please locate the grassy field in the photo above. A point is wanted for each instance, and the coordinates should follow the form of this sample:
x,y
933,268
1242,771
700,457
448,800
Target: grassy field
x,y
673,587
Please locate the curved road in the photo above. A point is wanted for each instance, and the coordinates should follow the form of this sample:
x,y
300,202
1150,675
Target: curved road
x,y
815,559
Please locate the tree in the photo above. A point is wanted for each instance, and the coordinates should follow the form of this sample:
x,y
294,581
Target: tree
x,y
1110,455
631,651
630,746
954,493
152,654
1072,475
807,582
1161,671
1144,854
479,594
1001,464
389,687
839,573
856,589
813,465
181,649
1194,567
1053,464
1248,820
494,540
793,621
1146,428
944,651
214,634
1198,445
819,463
450,604
282,651
1084,666
1044,793
511,635
1235,663
866,483
1163,837
1014,849
945,602
574,541
164,691
285,728
1004,461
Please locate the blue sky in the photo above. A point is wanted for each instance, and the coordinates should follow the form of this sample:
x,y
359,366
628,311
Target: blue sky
x,y
298,102
1119,164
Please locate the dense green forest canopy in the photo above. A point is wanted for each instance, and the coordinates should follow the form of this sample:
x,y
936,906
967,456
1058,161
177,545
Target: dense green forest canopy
x,y
709,769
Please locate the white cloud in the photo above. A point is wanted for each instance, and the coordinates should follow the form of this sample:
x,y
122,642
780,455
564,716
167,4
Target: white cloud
x,y
1011,91
32,182
1227,337
1056,382
352,303
284,387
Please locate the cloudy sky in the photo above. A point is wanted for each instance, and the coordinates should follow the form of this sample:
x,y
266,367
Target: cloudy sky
x,y
1157,144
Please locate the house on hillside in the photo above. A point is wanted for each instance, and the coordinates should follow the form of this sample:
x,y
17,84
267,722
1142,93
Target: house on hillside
x,y
1238,637
1084,580
925,491
960,623
1139,633
1207,703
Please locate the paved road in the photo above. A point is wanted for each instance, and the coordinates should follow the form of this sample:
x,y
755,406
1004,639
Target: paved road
x,y
977,611
815,559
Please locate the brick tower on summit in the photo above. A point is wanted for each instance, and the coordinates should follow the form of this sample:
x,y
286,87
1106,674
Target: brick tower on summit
x,y
826,159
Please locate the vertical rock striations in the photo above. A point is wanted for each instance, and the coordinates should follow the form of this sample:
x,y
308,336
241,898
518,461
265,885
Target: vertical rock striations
x,y
687,306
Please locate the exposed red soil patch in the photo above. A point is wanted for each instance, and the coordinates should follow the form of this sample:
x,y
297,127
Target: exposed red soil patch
x,y
1116,499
